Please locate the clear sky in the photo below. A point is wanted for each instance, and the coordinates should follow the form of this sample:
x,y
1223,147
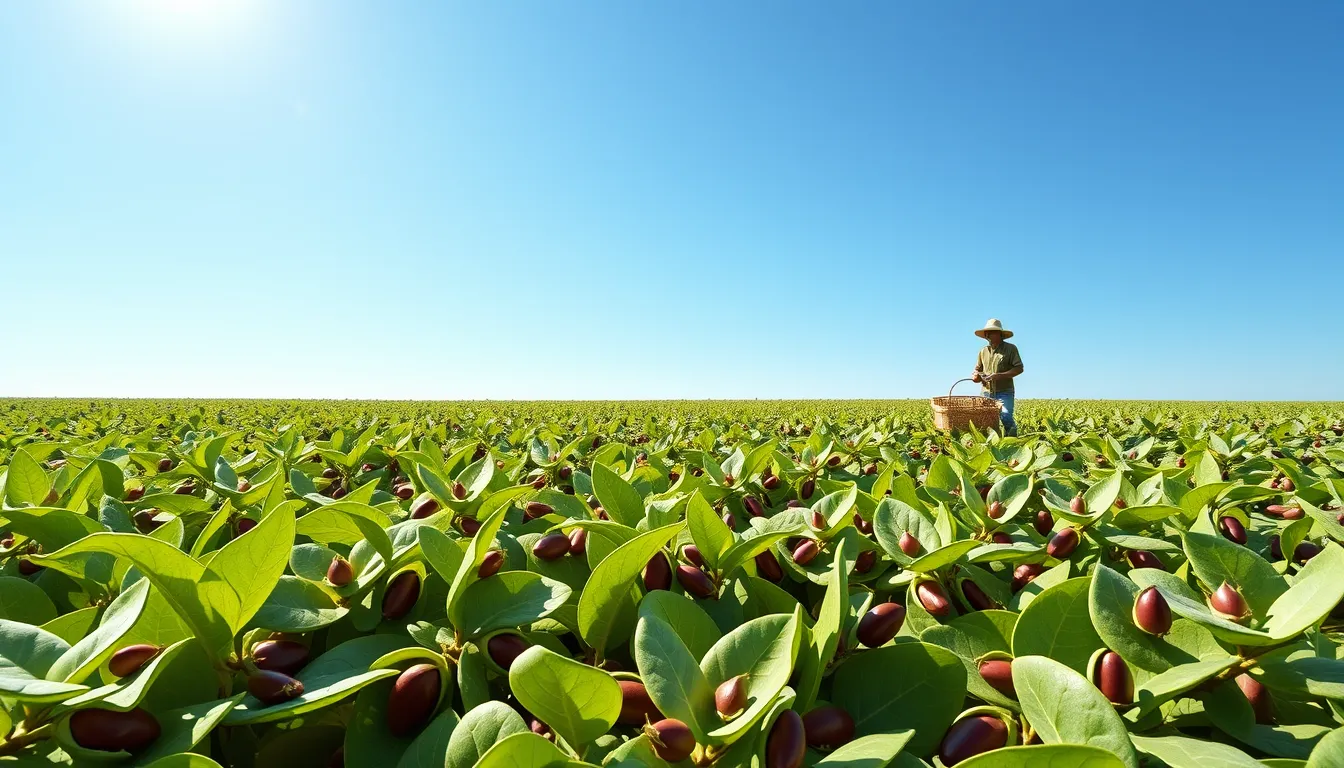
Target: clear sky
x,y
328,198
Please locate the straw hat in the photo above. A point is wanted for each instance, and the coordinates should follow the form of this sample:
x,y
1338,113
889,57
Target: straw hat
x,y
994,325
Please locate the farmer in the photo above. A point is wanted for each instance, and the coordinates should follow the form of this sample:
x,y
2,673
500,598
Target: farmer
x,y
998,363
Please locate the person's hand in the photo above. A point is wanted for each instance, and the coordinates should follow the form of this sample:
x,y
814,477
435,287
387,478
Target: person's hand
x,y
976,377
989,378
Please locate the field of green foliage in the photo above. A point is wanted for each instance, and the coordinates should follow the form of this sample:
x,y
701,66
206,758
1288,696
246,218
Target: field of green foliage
x,y
250,583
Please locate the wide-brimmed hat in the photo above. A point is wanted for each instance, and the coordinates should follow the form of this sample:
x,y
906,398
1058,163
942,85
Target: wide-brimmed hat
x,y
994,325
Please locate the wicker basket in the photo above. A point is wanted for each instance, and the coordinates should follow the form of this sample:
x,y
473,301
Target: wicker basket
x,y
956,412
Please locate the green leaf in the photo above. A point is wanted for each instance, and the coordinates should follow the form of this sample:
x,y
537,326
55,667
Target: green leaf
x,y
764,649
295,605
607,607
673,678
331,677
431,744
621,501
85,656
823,638
480,729
687,620
1163,687
26,484
1317,590
874,751
1182,752
910,685
347,522
1214,560
523,750
708,531
1058,624
893,518
1065,708
24,601
1045,756
251,563
27,654
492,510
941,557
579,702
1111,605
1329,751
509,599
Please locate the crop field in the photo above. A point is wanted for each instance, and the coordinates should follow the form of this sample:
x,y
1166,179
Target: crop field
x,y
253,583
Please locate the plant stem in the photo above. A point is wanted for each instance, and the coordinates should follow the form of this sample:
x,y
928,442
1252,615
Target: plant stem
x,y
22,738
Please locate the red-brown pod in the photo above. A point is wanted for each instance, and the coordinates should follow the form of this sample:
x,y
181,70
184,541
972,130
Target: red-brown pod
x,y
730,698
105,730
768,567
809,485
340,572
535,509
552,546
657,573
880,624
273,688
694,581
754,506
1258,695
636,706
933,598
413,699
578,542
492,562
1152,614
1232,529
1026,573
1044,522
806,551
1062,544
995,509
971,736
424,508
910,545
828,727
693,556
976,597
786,747
401,594
865,561
503,649
672,740
128,660
284,656
998,673
1113,679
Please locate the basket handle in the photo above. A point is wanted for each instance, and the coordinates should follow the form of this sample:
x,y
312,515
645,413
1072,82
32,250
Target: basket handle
x,y
954,385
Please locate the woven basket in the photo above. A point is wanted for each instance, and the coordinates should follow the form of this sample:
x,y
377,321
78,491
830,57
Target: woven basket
x,y
956,412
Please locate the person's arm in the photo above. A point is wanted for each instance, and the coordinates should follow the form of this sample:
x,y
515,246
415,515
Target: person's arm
x,y
978,376
1013,372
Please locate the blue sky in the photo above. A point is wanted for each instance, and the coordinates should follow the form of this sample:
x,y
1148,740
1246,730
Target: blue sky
x,y
325,198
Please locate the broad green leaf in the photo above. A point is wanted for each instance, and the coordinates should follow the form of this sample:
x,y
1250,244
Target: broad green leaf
x,y
85,656
251,563
873,751
523,750
509,599
686,619
579,702
607,607
1318,589
1329,751
480,729
911,685
328,679
621,501
203,599
1057,624
1045,756
1066,708
296,605
1183,752
27,655
1215,560
24,601
26,484
673,677
708,531
764,649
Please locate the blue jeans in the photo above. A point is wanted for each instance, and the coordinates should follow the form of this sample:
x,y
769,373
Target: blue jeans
x,y
1006,412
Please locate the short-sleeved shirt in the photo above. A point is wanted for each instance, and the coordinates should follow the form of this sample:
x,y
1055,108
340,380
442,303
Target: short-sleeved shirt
x,y
997,360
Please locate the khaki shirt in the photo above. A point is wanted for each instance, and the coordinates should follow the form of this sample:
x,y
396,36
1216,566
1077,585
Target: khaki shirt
x,y
997,360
